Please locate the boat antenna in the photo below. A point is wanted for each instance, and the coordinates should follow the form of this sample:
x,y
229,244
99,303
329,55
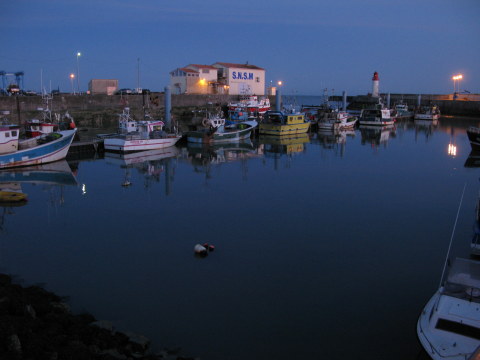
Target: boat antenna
x,y
451,238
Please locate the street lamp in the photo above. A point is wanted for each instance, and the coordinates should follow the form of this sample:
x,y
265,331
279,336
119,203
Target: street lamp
x,y
279,83
78,72
72,76
456,78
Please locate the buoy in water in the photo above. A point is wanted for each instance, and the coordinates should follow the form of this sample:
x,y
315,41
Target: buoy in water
x,y
209,247
200,250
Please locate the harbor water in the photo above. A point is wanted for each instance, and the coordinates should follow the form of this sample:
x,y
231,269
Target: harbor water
x,y
325,246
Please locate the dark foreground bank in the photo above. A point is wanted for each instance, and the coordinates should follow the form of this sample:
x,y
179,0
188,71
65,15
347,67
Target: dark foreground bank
x,y
37,324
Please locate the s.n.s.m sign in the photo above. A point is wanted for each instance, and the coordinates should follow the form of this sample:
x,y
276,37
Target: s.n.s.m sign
x,y
242,75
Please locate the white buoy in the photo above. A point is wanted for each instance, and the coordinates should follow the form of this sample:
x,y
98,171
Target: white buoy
x,y
199,249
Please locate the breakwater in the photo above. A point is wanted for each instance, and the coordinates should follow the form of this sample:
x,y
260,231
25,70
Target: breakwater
x,y
101,111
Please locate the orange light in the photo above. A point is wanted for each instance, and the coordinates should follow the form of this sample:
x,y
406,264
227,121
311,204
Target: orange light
x,y
279,83
72,76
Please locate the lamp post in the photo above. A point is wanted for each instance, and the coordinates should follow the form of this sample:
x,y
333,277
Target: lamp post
x,y
72,76
456,78
78,72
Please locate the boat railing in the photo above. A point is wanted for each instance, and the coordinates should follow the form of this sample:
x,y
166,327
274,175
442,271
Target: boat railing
x,y
474,129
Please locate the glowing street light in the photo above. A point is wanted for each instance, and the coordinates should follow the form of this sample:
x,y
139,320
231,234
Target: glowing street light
x,y
78,72
72,76
456,78
280,83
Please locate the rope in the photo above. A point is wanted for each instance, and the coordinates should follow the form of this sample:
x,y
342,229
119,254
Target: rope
x,y
451,238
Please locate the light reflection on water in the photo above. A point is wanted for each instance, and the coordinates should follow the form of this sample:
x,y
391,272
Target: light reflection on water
x,y
325,245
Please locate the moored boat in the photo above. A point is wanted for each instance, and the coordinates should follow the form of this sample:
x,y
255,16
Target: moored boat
x,y
473,134
336,120
142,135
376,117
401,111
215,130
449,325
252,105
279,123
39,150
431,112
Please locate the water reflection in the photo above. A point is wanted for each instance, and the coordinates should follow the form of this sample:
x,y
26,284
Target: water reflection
x,y
50,177
425,127
204,156
275,147
376,135
151,164
334,139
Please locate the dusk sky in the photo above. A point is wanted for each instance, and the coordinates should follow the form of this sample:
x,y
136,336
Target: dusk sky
x,y
415,45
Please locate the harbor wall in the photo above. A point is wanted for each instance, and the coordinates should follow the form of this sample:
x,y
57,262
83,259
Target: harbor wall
x,y
102,110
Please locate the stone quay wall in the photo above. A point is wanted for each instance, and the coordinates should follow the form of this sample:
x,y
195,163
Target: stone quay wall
x,y
101,111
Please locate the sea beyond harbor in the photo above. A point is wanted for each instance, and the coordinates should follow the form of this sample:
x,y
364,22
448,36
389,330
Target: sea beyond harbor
x,y
324,245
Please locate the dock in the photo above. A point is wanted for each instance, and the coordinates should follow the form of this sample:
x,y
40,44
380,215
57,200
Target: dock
x,y
92,145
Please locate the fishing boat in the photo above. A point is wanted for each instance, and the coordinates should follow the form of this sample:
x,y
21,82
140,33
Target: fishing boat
x,y
401,111
282,123
473,134
449,325
336,120
49,122
39,150
252,105
141,135
214,130
376,117
431,112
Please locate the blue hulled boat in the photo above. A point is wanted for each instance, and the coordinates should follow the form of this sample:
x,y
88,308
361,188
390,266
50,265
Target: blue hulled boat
x,y
39,150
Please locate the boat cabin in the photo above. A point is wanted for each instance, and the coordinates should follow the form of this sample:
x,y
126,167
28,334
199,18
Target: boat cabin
x,y
463,281
9,138
278,117
375,114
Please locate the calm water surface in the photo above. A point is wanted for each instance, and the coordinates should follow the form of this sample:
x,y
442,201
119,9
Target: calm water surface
x,y
325,247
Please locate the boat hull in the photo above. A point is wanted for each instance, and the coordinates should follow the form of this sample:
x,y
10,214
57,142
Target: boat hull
x,y
474,138
376,123
41,154
283,129
123,144
205,137
426,117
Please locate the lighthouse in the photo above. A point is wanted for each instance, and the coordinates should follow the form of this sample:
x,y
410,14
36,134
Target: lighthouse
x,y
375,83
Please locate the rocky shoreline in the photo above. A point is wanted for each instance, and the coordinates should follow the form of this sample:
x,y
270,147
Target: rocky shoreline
x,y
38,325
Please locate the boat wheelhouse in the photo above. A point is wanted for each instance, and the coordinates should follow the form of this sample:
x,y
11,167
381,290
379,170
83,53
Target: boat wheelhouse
x,y
376,117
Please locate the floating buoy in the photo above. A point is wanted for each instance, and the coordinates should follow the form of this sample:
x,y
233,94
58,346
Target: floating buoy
x,y
126,183
209,247
200,250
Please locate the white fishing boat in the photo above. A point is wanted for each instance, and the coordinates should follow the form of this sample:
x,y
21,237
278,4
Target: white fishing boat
x,y
251,105
39,150
427,113
449,325
136,135
336,120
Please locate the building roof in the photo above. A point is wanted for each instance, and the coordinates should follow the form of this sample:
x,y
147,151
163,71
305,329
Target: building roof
x,y
241,66
188,70
203,66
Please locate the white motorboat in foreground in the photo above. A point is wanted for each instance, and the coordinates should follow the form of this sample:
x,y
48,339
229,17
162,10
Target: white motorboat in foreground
x,y
449,325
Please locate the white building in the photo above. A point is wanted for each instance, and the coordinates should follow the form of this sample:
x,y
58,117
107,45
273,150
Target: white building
x,y
219,78
194,79
103,86
241,79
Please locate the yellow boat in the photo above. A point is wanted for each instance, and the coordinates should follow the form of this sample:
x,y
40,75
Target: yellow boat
x,y
12,196
279,123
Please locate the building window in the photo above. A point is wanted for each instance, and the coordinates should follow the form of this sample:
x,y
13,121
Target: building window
x,y
205,71
257,79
